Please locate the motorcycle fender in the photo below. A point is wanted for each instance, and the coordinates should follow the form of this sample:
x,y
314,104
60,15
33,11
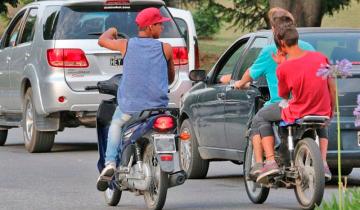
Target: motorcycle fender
x,y
166,166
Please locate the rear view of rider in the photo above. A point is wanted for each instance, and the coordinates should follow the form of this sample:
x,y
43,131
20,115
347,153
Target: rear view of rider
x,y
148,69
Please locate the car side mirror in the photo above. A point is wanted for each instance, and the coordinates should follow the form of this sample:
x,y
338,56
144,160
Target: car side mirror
x,y
197,75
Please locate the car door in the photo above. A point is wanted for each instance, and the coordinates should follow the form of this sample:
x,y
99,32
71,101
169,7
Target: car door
x,y
7,45
20,57
211,102
239,104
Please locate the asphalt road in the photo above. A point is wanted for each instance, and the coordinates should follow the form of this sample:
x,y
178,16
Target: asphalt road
x,y
65,179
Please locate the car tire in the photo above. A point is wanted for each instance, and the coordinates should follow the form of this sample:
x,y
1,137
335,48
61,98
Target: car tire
x,y
3,136
190,159
345,171
35,140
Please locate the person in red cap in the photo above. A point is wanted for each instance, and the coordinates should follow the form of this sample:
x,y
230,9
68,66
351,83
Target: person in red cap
x,y
148,68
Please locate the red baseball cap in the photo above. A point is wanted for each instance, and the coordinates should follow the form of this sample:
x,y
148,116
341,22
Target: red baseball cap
x,y
150,16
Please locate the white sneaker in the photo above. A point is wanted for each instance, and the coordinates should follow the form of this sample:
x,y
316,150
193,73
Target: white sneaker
x,y
105,177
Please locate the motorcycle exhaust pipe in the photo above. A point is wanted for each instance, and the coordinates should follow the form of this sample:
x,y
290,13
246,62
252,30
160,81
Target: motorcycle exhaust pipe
x,y
177,178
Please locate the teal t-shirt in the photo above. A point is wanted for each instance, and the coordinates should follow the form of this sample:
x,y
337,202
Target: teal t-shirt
x,y
265,65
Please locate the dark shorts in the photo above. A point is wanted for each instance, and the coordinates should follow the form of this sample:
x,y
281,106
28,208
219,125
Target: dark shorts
x,y
262,122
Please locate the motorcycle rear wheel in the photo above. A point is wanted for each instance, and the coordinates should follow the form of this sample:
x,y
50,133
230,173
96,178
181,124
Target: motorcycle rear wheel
x,y
311,170
112,196
256,193
156,196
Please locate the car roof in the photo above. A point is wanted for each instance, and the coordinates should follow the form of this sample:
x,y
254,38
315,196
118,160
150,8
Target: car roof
x,y
69,2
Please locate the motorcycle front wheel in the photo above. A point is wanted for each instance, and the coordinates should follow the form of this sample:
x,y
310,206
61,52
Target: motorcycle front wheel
x,y
155,197
309,189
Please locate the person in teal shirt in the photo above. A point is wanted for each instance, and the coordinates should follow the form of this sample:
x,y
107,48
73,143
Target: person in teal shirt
x,y
265,65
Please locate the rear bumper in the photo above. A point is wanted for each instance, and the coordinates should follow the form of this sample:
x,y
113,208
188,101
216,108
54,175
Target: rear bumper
x,y
55,86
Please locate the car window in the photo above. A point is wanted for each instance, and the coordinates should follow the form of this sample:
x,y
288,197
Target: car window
x,y
182,26
232,59
336,46
49,21
13,32
90,21
251,54
29,28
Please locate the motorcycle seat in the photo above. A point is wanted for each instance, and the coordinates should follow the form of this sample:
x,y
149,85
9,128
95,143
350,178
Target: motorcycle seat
x,y
309,119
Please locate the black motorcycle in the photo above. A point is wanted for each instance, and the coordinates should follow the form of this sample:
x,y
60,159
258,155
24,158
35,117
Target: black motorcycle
x,y
149,158
298,155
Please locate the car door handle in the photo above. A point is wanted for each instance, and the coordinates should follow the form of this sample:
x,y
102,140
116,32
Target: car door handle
x,y
221,96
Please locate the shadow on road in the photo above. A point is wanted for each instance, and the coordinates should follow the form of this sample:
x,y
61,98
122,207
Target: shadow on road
x,y
60,147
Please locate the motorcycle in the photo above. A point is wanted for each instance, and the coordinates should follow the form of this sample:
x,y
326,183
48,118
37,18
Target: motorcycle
x,y
149,156
298,156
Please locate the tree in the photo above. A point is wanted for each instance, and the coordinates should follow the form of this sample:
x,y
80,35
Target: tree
x,y
3,6
252,14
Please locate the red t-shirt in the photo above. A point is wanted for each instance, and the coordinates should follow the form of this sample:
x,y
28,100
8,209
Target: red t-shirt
x,y
310,93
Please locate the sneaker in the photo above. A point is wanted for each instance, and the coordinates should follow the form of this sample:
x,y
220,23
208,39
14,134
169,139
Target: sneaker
x,y
327,172
105,176
269,168
255,170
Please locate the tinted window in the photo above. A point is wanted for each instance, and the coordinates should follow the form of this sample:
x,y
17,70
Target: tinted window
x,y
49,21
182,25
252,54
29,28
13,32
88,22
336,46
232,59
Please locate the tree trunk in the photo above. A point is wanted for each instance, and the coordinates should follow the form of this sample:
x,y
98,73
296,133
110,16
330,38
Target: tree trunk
x,y
307,13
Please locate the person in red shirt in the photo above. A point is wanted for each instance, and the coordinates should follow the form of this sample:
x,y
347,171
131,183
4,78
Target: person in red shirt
x,y
307,94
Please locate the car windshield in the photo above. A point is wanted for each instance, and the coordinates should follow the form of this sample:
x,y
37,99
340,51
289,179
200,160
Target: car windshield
x,y
90,21
336,46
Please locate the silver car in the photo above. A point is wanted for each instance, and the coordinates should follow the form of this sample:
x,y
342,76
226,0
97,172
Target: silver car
x,y
49,54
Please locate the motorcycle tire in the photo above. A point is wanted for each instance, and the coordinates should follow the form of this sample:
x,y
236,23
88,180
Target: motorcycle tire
x,y
256,194
156,196
112,196
307,159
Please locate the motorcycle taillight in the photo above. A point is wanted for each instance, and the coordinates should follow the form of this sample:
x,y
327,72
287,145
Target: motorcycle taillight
x,y
164,123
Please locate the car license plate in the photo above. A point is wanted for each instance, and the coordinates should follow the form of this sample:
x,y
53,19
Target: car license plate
x,y
164,143
116,61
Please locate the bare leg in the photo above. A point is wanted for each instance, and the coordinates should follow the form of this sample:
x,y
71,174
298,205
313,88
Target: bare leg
x,y
323,147
268,143
258,151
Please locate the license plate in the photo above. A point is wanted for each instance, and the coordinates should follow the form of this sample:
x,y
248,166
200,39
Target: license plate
x,y
116,61
164,143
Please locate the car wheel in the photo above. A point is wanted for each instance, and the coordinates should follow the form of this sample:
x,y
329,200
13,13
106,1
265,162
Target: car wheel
x,y
3,136
345,171
191,162
35,140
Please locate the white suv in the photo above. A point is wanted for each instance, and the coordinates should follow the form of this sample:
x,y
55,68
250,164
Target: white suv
x,y
49,54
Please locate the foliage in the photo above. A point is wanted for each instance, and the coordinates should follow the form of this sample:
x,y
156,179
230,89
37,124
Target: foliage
x,y
3,5
206,21
351,201
252,14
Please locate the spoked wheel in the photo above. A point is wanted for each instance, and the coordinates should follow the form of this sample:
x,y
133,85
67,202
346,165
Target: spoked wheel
x,y
156,196
255,192
112,195
309,189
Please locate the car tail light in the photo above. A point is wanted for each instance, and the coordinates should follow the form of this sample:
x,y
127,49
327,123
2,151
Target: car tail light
x,y
166,157
180,56
67,58
164,123
197,55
